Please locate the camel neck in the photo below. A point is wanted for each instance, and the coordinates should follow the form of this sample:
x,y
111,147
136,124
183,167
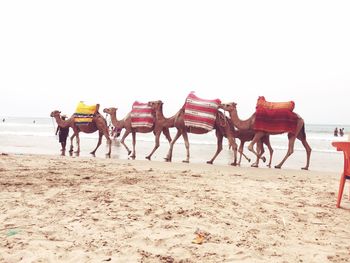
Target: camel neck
x,y
241,124
117,123
167,122
61,123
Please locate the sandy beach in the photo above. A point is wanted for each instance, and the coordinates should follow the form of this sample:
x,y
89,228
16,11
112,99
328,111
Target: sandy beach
x,y
63,209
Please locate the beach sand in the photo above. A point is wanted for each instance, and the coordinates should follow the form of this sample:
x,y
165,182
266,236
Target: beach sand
x,y
64,209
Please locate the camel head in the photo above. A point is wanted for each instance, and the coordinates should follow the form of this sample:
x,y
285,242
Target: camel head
x,y
229,106
110,111
155,105
55,113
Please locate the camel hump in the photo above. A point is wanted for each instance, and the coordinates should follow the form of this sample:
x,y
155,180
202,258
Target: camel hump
x,y
262,103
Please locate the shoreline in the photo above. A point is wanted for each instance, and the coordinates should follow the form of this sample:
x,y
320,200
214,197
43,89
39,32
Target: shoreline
x,y
64,209
319,161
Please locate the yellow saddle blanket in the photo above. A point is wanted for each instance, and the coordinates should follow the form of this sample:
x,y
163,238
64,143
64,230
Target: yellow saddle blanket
x,y
84,113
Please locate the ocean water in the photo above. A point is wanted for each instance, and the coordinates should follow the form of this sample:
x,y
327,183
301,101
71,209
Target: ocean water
x,y
37,136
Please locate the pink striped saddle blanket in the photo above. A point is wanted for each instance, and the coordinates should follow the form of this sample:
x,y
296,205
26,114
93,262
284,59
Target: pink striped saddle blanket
x,y
200,113
141,115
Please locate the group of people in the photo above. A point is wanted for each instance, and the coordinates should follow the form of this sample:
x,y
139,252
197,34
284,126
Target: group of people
x,y
340,132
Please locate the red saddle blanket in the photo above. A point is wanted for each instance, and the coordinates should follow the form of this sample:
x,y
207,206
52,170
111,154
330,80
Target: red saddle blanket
x,y
200,113
141,115
275,117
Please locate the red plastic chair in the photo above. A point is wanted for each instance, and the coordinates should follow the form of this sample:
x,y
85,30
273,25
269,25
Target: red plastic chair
x,y
345,147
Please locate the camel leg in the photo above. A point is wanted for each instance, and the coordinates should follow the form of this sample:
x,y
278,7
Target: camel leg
x,y
260,149
241,153
268,144
122,141
103,131
240,150
187,145
289,152
167,134
170,152
308,153
133,155
100,134
71,143
233,144
78,144
156,145
291,137
109,141
256,138
218,148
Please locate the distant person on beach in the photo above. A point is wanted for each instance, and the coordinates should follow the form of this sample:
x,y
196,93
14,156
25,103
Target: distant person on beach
x,y
3,120
62,135
341,132
336,132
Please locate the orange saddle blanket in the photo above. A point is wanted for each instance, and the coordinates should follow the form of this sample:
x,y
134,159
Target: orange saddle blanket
x,y
275,117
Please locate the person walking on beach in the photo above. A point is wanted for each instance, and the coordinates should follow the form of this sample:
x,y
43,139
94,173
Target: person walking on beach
x,y
62,135
341,132
336,132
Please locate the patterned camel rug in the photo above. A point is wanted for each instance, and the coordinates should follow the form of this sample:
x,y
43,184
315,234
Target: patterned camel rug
x,y
141,115
200,113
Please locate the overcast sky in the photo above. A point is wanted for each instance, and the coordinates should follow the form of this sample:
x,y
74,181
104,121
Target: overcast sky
x,y
54,54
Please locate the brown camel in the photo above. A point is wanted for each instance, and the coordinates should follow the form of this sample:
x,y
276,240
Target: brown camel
x,y
221,128
98,124
126,124
249,124
248,135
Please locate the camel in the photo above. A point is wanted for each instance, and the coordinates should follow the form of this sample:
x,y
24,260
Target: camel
x,y
247,135
126,123
221,129
249,124
98,124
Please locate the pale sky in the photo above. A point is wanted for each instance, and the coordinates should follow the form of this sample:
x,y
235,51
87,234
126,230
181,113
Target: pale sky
x,y
54,54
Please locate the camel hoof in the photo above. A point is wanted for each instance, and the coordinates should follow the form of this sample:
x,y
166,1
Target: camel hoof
x,y
304,168
263,159
148,158
255,165
248,160
185,161
233,164
129,152
209,162
277,167
167,160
